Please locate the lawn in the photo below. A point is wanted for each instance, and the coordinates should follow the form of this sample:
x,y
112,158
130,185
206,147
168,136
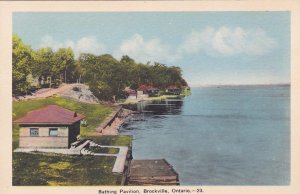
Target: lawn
x,y
56,169
95,113
120,140
104,150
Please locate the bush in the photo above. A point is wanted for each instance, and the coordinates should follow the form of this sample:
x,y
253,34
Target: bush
x,y
76,89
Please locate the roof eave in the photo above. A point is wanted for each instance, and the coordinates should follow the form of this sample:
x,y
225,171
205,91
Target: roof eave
x,y
49,123
31,123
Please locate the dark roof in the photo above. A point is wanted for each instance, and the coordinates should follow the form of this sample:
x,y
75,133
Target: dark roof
x,y
50,114
143,87
146,87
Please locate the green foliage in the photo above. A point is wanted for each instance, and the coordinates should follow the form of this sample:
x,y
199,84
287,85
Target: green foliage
x,y
64,65
106,76
43,64
22,60
57,169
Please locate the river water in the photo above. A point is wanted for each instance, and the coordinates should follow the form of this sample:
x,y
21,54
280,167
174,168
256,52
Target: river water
x,y
237,135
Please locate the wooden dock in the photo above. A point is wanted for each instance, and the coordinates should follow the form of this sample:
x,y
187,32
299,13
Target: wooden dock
x,y
152,172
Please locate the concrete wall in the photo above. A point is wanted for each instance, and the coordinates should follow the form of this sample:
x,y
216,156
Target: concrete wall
x,y
44,140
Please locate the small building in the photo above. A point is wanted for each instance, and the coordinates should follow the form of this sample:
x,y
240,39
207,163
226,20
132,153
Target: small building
x,y
152,172
49,127
150,90
143,89
173,90
131,92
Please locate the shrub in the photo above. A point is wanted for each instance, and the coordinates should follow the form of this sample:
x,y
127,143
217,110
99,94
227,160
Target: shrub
x,y
76,89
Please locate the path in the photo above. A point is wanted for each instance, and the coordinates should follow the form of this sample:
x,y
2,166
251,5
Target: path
x,y
47,92
121,158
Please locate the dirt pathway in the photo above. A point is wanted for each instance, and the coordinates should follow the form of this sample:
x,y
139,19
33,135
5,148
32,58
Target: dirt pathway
x,y
46,92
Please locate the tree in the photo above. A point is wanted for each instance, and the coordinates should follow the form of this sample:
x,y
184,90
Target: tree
x,y
106,76
64,65
86,65
108,71
44,61
22,59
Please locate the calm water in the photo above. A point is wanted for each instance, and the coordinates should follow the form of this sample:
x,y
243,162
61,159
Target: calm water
x,y
219,136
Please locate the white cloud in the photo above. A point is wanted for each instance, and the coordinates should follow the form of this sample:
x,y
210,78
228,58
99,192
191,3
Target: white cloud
x,y
223,41
84,45
48,41
227,41
197,41
146,50
89,45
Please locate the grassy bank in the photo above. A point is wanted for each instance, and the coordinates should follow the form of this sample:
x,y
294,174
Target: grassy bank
x,y
56,169
112,140
95,113
104,150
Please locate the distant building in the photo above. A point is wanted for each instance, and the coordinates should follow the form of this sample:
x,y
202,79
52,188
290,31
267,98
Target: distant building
x,y
49,127
142,88
131,92
150,90
173,90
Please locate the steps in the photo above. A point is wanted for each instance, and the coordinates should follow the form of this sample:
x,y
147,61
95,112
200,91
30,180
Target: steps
x,y
85,151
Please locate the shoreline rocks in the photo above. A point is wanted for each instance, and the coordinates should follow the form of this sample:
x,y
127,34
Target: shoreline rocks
x,y
116,121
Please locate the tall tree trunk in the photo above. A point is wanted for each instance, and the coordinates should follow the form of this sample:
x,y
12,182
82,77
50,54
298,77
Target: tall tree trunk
x,y
66,75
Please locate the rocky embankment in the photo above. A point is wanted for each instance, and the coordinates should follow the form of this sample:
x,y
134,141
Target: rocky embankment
x,y
79,92
111,125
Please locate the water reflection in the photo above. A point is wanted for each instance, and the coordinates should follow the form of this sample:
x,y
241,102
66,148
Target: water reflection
x,y
161,107
152,114
221,133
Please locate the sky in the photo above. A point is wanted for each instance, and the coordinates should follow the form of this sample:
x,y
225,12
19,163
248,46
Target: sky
x,y
212,48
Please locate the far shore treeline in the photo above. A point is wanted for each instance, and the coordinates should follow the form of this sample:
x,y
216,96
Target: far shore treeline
x,y
105,75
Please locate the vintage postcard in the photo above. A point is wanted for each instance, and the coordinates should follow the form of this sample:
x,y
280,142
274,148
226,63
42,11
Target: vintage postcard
x,y
150,97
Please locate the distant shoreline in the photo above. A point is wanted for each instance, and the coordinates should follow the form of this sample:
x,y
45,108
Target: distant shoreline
x,y
239,85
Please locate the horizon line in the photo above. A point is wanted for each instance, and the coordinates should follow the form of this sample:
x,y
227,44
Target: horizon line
x,y
224,85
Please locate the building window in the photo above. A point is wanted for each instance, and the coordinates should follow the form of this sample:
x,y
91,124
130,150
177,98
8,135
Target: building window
x,y
53,132
34,132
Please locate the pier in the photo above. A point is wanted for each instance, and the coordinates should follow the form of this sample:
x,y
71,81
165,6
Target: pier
x,y
152,172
